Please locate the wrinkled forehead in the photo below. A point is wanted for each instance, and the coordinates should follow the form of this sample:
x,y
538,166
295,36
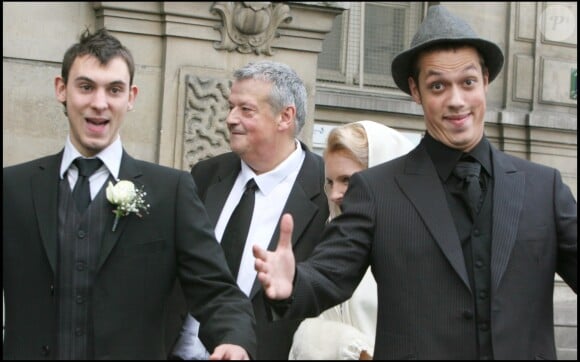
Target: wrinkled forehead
x,y
250,89
464,58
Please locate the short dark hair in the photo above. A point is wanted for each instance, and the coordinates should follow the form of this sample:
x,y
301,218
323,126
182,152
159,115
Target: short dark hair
x,y
102,46
442,46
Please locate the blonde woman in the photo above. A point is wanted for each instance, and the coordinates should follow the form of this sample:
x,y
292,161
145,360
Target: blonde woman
x,y
347,331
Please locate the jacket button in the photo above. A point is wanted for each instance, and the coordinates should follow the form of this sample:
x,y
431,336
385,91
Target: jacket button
x,y
45,350
467,314
52,289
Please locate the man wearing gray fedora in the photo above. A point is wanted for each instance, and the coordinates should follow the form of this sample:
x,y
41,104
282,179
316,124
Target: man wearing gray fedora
x,y
463,240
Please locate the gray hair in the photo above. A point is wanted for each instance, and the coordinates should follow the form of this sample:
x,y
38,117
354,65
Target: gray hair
x,y
287,88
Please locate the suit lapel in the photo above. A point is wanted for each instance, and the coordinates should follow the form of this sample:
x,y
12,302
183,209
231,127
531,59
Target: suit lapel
x,y
128,171
508,197
420,183
217,195
44,189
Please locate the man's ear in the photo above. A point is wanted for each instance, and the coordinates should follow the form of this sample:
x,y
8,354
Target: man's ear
x,y
60,89
414,88
133,91
485,79
287,117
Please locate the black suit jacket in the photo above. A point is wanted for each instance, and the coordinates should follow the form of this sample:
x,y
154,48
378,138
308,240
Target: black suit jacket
x,y
307,202
137,267
396,219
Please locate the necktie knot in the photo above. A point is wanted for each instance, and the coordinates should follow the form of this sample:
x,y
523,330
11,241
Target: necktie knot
x,y
87,166
251,186
467,170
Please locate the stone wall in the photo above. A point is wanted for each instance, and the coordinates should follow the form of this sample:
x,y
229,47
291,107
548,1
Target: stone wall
x,y
185,53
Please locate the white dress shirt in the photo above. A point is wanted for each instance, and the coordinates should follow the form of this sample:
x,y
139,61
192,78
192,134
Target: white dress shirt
x,y
274,189
111,157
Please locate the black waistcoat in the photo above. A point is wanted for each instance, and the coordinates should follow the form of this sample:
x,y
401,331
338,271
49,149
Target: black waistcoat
x,y
475,237
79,243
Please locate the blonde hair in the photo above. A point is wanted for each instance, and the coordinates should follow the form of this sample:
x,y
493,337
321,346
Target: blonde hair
x,y
366,142
349,140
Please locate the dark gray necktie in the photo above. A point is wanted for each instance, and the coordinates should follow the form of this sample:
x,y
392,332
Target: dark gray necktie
x,y
82,189
468,173
236,232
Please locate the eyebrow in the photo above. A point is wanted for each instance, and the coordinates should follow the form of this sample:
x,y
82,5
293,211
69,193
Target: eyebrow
x,y
435,72
87,79
243,103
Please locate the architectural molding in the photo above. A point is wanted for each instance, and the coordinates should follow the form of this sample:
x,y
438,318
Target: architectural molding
x,y
250,27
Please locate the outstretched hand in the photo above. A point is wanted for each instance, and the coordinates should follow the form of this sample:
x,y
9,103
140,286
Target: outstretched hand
x,y
276,268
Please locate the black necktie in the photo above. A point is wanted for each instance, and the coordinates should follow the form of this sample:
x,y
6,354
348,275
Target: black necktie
x,y
468,173
82,190
236,232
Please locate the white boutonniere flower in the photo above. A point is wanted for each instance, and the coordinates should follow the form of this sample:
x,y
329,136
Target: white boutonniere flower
x,y
127,198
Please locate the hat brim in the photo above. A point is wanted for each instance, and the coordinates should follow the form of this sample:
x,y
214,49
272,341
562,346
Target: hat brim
x,y
402,66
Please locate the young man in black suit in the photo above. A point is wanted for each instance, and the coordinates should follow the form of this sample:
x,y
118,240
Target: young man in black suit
x,y
464,265
88,268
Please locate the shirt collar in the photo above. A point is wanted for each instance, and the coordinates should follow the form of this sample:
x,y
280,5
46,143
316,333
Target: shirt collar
x,y
445,158
111,157
482,153
269,180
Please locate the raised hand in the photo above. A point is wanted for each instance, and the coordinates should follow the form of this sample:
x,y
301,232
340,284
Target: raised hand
x,y
276,269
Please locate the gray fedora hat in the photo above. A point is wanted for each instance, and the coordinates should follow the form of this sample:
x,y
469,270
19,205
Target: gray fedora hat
x,y
442,27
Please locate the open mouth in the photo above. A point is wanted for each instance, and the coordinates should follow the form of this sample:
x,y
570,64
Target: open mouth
x,y
96,125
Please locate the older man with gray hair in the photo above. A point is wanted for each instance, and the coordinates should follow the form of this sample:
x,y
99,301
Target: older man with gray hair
x,y
268,173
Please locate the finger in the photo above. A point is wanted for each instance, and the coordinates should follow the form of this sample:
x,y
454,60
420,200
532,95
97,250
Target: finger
x,y
268,289
262,276
259,265
286,227
216,356
259,253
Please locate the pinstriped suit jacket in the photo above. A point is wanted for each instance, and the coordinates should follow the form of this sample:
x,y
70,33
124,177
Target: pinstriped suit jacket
x,y
395,218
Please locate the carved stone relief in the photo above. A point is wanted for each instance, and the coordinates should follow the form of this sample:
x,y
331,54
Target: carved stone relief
x,y
250,26
206,108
